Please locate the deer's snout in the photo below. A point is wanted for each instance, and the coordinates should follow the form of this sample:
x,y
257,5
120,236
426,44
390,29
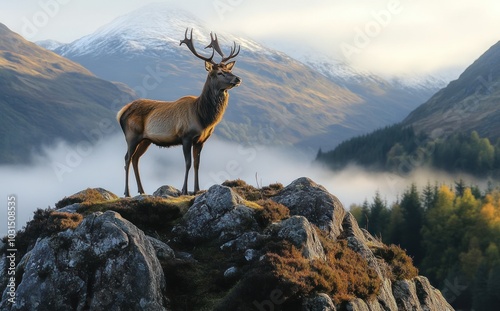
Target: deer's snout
x,y
236,81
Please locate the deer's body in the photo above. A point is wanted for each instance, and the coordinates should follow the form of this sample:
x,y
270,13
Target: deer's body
x,y
165,123
188,121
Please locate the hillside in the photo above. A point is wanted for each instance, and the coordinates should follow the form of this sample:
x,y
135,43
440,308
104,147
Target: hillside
x,y
467,104
233,247
457,130
45,97
281,100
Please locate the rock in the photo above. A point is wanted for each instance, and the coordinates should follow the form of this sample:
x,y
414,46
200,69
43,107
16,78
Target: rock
x,y
306,198
251,254
301,234
385,298
87,195
245,241
163,251
351,229
185,256
418,294
105,263
320,302
216,214
429,297
167,191
230,272
357,305
72,208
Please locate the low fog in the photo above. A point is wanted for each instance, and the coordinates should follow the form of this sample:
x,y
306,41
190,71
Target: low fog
x,y
64,169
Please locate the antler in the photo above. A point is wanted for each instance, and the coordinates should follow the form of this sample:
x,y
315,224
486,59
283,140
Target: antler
x,y
231,55
215,45
190,45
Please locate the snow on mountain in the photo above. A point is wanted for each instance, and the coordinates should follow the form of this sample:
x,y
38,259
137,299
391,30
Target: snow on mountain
x,y
155,27
343,73
49,44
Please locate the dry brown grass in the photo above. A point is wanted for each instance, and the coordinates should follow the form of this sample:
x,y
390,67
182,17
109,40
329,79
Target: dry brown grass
x,y
271,212
401,265
251,193
90,195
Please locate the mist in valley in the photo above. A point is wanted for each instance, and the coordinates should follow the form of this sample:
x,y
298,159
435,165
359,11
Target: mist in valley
x,y
63,169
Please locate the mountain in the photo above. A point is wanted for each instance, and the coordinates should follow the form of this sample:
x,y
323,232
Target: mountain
x,y
281,100
457,130
45,97
49,44
233,247
467,104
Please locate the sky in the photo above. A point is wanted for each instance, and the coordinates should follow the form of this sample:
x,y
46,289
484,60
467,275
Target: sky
x,y
386,37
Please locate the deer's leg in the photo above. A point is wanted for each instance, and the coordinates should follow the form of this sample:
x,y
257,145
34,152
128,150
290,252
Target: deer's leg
x,y
132,146
139,151
186,148
127,165
196,156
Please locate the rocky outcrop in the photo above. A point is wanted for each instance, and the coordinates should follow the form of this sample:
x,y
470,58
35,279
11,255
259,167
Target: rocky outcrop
x,y
301,234
223,249
106,263
306,198
217,214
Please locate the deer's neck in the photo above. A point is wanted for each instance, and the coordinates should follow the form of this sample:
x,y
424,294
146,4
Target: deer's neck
x,y
211,105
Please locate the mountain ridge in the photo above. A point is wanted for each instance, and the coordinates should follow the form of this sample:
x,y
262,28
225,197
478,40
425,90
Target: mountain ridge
x,y
116,53
45,97
457,130
465,104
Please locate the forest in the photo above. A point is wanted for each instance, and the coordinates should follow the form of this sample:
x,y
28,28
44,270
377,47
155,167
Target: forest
x,y
452,233
399,149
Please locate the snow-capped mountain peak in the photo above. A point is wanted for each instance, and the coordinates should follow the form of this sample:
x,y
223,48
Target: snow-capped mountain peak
x,y
154,27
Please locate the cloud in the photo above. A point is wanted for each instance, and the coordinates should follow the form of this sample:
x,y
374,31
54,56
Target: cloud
x,y
64,169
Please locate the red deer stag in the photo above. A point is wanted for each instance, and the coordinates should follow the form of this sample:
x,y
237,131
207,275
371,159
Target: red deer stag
x,y
188,121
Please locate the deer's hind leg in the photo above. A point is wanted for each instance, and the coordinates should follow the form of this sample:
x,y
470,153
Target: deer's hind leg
x,y
139,151
131,149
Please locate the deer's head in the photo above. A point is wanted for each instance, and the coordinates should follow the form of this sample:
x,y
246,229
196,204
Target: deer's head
x,y
219,74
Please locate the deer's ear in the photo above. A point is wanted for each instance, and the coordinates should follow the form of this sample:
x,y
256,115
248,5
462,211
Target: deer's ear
x,y
229,66
208,66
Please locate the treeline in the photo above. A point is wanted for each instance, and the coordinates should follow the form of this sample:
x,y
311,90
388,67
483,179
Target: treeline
x,y
399,149
453,235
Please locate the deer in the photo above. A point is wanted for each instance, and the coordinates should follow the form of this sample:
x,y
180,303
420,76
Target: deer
x,y
189,121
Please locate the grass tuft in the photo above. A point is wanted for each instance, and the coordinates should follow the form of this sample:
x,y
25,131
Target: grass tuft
x,y
251,193
90,195
401,265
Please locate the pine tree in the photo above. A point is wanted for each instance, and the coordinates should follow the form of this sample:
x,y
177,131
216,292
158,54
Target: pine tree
x,y
379,216
413,215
